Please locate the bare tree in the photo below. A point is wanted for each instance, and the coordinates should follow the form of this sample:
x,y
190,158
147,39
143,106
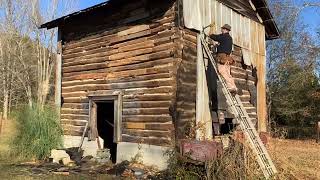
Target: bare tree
x,y
27,53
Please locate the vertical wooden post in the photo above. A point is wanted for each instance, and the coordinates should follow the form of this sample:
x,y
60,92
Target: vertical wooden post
x,y
58,73
261,94
92,124
203,116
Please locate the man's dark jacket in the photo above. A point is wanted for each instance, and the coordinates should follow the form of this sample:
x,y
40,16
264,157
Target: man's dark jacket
x,y
225,41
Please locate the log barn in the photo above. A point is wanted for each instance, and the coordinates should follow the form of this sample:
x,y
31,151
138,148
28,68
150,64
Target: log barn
x,y
134,71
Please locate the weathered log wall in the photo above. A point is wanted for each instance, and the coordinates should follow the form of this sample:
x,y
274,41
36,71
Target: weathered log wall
x,y
187,85
245,79
137,55
137,47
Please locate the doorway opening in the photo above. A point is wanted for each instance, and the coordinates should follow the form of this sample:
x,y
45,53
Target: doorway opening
x,y
106,126
227,127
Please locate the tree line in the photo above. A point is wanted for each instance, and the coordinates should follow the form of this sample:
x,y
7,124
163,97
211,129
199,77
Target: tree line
x,y
27,53
293,66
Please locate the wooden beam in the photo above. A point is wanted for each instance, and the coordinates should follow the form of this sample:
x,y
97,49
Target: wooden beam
x,y
58,72
261,94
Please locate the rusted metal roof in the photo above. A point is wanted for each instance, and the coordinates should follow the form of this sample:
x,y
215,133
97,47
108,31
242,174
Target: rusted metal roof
x,y
241,6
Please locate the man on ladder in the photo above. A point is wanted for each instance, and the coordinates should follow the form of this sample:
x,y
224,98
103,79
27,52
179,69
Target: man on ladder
x,y
224,50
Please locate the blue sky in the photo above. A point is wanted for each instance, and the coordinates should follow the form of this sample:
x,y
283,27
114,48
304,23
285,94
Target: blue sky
x,y
87,3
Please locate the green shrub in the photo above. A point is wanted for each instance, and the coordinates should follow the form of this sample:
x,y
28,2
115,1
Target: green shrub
x,y
38,132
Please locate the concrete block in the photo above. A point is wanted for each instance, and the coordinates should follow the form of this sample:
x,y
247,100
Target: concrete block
x,y
58,155
150,155
89,147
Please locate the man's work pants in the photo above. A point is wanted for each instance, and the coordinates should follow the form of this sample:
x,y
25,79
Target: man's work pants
x,y
225,71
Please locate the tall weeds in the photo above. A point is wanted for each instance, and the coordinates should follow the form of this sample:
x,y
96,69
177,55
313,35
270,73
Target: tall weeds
x,y
38,131
236,162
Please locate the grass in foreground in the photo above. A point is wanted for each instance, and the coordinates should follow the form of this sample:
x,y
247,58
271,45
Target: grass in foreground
x,y
11,168
296,159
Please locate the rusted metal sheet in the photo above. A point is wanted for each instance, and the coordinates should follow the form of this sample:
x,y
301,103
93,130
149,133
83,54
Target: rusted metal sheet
x,y
201,150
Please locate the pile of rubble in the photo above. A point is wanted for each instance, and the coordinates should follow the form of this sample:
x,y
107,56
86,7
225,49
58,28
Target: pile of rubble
x,y
71,161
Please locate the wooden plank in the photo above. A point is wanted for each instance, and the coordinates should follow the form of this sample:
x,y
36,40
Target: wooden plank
x,y
74,111
115,80
58,73
143,68
148,97
135,125
75,117
146,104
80,123
137,84
261,94
76,105
145,111
151,141
134,29
147,133
147,118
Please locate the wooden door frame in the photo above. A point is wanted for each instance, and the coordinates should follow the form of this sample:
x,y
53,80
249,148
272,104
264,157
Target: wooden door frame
x,y
116,97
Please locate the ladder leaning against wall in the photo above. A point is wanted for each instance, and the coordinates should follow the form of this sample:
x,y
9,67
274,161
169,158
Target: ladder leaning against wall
x,y
244,121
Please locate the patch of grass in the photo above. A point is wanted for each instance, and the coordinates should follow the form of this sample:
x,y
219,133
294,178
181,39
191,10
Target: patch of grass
x,y
296,159
38,132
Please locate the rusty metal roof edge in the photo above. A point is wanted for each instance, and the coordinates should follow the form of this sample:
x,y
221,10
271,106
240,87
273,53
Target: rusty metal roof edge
x,y
270,18
56,22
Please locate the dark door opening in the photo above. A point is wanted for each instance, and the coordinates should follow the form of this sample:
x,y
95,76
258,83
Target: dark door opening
x,y
105,126
227,127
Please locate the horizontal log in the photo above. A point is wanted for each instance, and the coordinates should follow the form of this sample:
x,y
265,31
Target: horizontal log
x,y
75,117
76,100
147,118
74,122
124,62
116,80
151,141
145,111
70,129
145,90
119,39
112,33
75,111
191,38
133,29
136,84
245,98
141,68
108,50
75,105
148,126
72,132
251,110
148,97
75,94
146,104
147,133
